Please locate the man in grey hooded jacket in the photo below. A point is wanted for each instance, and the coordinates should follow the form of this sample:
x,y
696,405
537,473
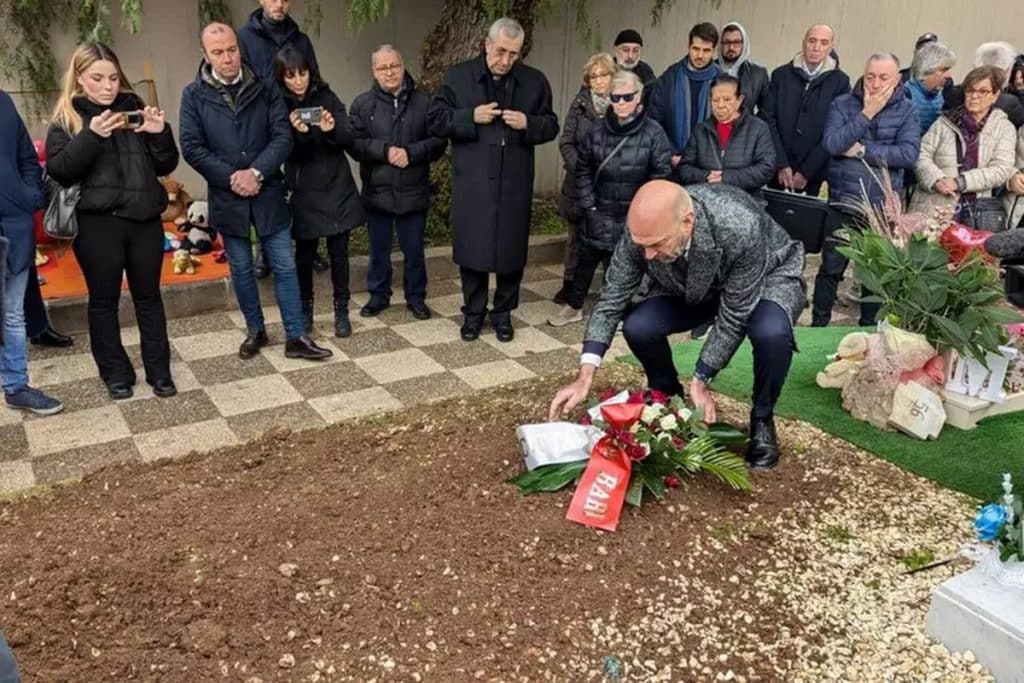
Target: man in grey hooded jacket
x,y
734,59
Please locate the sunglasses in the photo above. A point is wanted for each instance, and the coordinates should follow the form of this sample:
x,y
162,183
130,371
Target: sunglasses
x,y
624,97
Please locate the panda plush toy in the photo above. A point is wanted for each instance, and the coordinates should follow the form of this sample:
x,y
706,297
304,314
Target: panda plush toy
x,y
198,236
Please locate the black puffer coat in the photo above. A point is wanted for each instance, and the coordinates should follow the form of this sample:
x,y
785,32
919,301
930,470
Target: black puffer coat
x,y
578,119
645,154
748,161
118,174
324,199
381,120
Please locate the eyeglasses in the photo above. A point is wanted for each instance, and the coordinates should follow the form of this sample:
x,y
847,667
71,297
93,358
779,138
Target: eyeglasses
x,y
732,42
979,93
388,67
623,97
603,74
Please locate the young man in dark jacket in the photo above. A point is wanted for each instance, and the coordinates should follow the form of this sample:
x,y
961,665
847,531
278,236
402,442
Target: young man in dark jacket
x,y
394,151
796,108
268,30
871,131
495,110
734,60
681,97
235,133
21,193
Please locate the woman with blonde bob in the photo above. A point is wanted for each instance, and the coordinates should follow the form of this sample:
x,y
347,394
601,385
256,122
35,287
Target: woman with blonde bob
x,y
105,140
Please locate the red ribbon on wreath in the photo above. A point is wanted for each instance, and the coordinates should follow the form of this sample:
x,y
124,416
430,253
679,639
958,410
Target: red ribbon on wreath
x,y
602,490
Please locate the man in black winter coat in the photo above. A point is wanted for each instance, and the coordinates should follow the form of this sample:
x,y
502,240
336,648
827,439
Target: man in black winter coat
x,y
394,152
495,110
796,108
268,30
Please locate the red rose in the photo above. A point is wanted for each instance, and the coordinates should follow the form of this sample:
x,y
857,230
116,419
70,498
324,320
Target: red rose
x,y
585,420
627,437
656,396
636,452
672,481
607,394
677,442
636,397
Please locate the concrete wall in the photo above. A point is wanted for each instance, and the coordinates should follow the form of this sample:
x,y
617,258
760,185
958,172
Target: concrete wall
x,y
169,40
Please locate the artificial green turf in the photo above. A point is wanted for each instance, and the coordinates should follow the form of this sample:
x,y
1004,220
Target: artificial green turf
x,y
969,461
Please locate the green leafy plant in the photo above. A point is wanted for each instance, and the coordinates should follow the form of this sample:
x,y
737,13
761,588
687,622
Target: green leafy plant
x,y
955,306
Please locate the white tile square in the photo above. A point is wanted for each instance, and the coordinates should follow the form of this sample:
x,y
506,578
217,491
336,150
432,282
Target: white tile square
x,y
437,330
399,365
537,312
252,393
75,429
350,404
493,374
16,476
544,288
60,369
275,356
446,305
10,417
208,344
527,340
182,375
175,442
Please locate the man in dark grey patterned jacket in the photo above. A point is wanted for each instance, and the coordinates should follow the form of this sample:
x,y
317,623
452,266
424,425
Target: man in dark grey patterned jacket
x,y
711,253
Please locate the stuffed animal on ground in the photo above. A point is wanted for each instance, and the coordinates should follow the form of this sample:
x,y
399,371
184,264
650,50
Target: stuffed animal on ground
x,y
184,262
198,235
177,202
846,362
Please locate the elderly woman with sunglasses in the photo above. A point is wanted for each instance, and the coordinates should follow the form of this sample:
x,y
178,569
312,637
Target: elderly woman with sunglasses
x,y
619,154
966,154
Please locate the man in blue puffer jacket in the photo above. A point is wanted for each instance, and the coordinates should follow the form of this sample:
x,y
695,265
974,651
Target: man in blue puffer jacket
x,y
872,130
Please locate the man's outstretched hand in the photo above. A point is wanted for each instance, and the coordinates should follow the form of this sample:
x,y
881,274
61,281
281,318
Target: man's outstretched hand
x,y
570,396
702,399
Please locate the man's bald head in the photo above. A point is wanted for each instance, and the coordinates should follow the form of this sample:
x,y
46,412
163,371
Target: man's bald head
x,y
818,42
220,49
660,219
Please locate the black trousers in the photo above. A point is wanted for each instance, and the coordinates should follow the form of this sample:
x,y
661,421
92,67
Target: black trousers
x,y
830,274
337,251
108,247
474,295
647,327
586,265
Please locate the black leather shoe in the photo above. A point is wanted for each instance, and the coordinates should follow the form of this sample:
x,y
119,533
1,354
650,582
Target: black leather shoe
x,y
763,451
120,391
303,347
164,388
252,344
342,325
504,331
374,307
51,337
562,296
470,331
320,264
419,311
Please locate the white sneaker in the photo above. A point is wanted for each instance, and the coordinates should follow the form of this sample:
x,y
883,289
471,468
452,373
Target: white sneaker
x,y
567,315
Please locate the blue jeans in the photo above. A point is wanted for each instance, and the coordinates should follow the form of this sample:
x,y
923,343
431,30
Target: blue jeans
x,y
278,250
410,228
14,354
8,668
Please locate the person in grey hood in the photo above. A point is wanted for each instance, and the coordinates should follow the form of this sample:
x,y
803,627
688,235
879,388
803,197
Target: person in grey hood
x,y
734,60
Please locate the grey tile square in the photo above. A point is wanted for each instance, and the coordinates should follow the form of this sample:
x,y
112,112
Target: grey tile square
x,y
536,274
323,323
16,475
294,416
174,442
254,393
395,314
567,334
421,333
487,375
275,356
536,313
447,305
78,395
39,353
429,389
370,342
271,314
75,429
13,442
460,354
74,463
135,356
10,417
559,362
221,369
527,295
437,288
329,379
398,365
197,324
151,414
344,406
61,369
543,289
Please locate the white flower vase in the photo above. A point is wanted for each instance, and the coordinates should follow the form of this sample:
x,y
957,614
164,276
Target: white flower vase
x,y
1009,573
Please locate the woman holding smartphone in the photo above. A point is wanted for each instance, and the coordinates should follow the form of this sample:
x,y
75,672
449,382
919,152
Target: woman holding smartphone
x,y
324,199
104,139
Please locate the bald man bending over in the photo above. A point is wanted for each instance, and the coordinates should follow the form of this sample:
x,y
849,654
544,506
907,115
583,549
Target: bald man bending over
x,y
712,254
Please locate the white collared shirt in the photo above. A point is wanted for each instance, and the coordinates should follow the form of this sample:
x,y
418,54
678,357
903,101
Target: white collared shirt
x,y
219,79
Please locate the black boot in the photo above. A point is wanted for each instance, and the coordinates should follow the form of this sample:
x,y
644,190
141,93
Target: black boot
x,y
562,296
342,325
763,451
307,315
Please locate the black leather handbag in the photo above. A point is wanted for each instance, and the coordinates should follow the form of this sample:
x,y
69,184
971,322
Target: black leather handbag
x,y
60,220
805,218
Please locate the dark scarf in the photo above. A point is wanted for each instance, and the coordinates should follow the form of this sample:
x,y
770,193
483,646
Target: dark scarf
x,y
681,129
279,31
971,131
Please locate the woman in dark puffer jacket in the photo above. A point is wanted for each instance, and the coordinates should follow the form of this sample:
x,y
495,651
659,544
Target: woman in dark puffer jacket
x,y
731,147
324,198
619,155
105,140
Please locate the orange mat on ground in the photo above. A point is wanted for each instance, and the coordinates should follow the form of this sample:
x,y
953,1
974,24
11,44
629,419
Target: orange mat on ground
x,y
64,278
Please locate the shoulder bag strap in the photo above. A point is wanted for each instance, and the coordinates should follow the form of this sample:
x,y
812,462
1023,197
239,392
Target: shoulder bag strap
x,y
609,157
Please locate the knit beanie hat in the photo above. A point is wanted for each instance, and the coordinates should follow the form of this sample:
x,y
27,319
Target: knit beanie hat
x,y
628,36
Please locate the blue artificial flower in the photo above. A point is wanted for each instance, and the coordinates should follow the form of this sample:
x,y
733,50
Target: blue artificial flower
x,y
989,522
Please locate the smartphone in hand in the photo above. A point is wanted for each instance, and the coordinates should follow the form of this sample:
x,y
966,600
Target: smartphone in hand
x,y
133,119
310,115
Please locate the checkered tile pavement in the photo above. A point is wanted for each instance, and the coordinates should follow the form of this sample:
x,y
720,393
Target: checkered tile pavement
x,y
389,362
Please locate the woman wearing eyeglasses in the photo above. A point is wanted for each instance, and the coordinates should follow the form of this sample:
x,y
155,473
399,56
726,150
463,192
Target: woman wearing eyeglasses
x,y
589,105
967,153
732,147
618,155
